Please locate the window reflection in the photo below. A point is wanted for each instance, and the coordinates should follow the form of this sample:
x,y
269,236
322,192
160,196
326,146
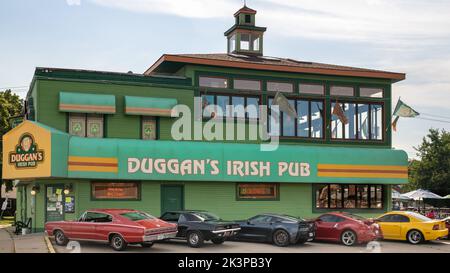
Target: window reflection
x,y
349,196
303,118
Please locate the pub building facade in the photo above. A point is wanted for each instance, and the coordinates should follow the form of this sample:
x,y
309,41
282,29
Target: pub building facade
x,y
93,139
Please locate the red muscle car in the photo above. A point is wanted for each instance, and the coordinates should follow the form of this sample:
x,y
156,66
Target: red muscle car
x,y
118,227
349,229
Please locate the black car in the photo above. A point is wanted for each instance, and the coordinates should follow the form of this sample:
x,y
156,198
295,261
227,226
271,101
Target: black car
x,y
198,226
278,229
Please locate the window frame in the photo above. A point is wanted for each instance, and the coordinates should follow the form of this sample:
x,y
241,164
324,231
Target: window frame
x,y
230,97
85,116
357,207
261,84
141,129
296,99
214,77
357,138
139,191
275,198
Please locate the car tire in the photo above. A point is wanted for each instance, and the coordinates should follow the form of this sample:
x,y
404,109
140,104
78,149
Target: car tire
x,y
414,237
118,243
147,245
348,238
60,238
280,238
218,241
195,239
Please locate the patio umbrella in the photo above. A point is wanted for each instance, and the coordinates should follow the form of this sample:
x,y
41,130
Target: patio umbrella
x,y
398,196
421,194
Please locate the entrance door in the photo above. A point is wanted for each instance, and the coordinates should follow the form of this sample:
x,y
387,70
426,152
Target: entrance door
x,y
54,197
172,197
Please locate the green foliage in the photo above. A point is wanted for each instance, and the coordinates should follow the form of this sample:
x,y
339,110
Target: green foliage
x,y
432,171
10,106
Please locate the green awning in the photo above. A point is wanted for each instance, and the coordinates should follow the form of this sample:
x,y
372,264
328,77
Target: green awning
x,y
87,103
146,106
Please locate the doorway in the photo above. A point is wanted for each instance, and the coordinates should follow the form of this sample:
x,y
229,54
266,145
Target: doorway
x,y
54,203
172,198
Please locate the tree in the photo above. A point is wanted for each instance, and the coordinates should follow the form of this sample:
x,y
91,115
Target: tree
x,y
10,106
431,172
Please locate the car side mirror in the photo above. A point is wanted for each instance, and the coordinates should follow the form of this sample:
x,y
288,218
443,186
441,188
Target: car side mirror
x,y
249,222
318,220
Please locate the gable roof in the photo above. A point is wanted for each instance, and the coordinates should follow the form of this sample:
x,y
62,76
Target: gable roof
x,y
245,10
270,64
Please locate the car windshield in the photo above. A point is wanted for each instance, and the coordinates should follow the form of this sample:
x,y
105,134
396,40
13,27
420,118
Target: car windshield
x,y
355,217
418,216
137,215
206,216
290,218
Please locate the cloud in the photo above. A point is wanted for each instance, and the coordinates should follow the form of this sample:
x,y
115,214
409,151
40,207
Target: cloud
x,y
387,22
73,2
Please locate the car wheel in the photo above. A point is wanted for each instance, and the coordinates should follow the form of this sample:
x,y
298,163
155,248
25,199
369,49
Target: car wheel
x,y
147,245
281,238
348,238
118,243
195,239
218,241
60,238
414,237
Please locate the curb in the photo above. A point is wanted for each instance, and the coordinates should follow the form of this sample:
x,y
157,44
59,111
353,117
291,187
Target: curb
x,y
49,244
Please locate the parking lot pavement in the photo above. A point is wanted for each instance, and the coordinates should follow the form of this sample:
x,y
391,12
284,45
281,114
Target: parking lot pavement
x,y
244,247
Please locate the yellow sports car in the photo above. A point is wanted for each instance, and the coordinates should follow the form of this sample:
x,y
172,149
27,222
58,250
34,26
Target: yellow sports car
x,y
410,226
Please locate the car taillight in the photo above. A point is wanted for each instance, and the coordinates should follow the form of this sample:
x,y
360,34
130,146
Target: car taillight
x,y
436,227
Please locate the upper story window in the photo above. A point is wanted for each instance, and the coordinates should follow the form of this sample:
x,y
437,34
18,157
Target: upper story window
x,y
247,84
365,122
245,107
86,125
313,89
371,92
213,82
308,124
342,91
280,87
149,128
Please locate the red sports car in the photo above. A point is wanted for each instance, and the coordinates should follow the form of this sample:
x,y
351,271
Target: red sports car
x,y
118,227
346,228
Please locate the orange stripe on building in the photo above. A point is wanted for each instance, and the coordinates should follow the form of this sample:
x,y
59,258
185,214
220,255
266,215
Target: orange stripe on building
x,y
361,171
138,110
93,164
78,107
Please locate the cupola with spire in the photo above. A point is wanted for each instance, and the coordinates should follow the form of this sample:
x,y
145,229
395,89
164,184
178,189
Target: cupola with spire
x,y
245,37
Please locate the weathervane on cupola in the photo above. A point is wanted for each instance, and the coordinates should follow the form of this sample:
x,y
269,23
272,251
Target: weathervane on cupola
x,y
245,37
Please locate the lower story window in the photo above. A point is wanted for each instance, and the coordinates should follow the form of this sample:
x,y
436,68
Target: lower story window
x,y
115,191
343,196
257,191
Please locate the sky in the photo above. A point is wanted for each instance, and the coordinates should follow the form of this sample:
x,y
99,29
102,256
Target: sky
x,y
409,36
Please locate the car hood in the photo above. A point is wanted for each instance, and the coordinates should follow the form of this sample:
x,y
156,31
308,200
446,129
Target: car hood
x,y
154,223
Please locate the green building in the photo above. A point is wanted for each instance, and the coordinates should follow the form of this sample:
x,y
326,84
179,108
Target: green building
x,y
96,139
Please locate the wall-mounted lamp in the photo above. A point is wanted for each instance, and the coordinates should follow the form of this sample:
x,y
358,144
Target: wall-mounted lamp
x,y
35,189
67,189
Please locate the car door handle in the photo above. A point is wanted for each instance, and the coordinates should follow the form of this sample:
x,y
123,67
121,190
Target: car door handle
x,y
336,226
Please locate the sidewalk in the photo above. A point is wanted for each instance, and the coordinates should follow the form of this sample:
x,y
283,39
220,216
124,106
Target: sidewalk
x,y
30,243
